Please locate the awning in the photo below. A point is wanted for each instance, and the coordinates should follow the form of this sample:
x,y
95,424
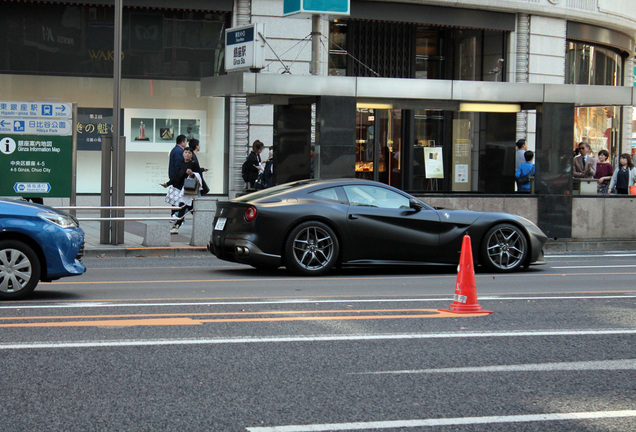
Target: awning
x,y
273,88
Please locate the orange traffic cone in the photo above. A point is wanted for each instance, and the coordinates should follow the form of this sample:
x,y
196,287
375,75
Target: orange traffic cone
x,y
465,298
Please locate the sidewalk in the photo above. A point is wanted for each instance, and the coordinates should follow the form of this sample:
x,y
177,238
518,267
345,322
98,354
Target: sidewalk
x,y
133,242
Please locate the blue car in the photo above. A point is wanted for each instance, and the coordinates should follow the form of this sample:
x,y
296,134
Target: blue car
x,y
37,243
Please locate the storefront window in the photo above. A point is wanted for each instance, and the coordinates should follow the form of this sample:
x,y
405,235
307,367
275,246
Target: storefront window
x,y
337,48
592,65
428,156
597,126
379,145
429,56
402,50
77,40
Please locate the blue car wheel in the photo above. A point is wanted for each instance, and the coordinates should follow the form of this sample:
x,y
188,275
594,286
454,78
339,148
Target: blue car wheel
x,y
19,269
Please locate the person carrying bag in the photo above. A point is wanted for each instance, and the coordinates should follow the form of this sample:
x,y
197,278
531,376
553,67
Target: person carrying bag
x,y
188,182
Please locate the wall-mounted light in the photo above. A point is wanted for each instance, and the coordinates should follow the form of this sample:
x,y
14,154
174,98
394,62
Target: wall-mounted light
x,y
366,105
489,107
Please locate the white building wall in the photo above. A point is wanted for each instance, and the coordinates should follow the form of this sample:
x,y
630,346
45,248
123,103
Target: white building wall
x,y
547,50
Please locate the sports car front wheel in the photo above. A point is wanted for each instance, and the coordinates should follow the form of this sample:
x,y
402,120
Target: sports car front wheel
x,y
311,249
19,270
504,248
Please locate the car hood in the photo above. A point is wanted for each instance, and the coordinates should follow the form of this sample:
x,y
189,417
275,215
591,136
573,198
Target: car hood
x,y
469,217
10,207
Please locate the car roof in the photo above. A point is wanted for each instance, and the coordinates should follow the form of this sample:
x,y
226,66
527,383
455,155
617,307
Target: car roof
x,y
307,186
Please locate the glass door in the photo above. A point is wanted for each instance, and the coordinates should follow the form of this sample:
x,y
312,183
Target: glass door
x,y
379,145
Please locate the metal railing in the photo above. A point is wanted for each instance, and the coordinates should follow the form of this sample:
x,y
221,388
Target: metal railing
x,y
124,218
111,229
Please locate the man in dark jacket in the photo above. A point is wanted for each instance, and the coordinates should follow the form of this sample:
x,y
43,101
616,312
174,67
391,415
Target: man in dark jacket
x,y
176,156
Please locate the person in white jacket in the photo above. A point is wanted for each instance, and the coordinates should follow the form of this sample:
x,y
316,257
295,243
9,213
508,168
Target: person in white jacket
x,y
624,176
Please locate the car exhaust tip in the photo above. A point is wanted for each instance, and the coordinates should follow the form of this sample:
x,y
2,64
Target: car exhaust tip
x,y
241,251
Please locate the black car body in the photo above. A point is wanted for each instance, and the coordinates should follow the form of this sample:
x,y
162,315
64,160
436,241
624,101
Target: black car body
x,y
311,226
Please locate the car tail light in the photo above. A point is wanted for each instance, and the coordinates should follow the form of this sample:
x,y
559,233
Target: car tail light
x,y
250,213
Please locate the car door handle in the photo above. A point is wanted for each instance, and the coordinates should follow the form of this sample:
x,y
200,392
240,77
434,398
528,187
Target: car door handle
x,y
353,216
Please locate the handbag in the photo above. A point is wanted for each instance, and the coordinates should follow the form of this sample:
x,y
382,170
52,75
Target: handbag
x,y
632,190
191,186
173,196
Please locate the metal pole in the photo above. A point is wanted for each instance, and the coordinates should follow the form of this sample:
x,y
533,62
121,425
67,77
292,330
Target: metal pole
x,y
315,44
121,189
73,200
104,226
117,226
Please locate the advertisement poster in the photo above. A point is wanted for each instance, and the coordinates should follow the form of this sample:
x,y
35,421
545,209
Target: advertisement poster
x,y
157,130
92,124
461,173
433,161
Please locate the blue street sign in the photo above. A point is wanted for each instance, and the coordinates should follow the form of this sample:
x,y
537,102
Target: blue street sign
x,y
18,126
25,188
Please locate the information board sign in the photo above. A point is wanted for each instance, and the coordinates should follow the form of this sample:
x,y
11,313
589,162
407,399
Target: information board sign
x,y
307,8
36,149
244,47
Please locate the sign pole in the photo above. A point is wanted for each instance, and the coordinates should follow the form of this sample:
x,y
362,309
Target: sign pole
x,y
117,232
105,225
73,200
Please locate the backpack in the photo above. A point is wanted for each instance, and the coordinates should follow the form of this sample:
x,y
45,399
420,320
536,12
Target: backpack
x,y
244,170
525,178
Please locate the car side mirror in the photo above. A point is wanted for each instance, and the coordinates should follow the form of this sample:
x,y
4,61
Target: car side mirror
x,y
415,204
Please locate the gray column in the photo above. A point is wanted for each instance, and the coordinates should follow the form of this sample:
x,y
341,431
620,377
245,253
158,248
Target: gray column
x,y
553,160
335,137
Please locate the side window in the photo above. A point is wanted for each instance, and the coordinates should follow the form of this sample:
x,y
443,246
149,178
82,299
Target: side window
x,y
372,196
330,194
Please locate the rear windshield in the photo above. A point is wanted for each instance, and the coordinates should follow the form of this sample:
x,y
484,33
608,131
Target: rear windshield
x,y
271,191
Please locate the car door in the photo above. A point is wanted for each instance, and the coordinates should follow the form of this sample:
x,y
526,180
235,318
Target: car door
x,y
382,226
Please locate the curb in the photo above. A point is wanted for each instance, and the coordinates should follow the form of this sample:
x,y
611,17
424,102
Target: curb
x,y
146,252
592,245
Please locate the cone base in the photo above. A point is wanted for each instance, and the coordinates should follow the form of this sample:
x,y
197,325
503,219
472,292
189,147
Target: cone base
x,y
464,309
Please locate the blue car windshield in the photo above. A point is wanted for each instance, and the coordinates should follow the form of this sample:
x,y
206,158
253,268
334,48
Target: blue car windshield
x,y
271,191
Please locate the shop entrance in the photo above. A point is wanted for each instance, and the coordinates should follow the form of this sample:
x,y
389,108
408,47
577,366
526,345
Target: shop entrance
x,y
379,144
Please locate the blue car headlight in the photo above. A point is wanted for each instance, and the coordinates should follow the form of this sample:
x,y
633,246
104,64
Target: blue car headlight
x,y
61,220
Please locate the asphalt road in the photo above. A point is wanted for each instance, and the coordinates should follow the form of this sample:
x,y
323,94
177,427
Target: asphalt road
x,y
195,344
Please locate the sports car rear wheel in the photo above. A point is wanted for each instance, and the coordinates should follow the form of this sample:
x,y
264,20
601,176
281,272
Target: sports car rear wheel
x,y
505,248
311,249
19,269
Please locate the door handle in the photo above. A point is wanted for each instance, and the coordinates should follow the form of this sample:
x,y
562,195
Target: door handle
x,y
353,216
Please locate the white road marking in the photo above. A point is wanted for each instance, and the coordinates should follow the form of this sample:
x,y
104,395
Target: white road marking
x,y
627,364
608,255
91,305
578,267
447,421
325,338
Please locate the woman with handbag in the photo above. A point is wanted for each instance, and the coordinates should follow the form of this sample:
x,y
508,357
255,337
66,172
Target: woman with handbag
x,y
195,146
188,181
624,176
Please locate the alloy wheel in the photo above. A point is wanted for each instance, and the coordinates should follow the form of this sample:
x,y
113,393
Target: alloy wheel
x,y
506,248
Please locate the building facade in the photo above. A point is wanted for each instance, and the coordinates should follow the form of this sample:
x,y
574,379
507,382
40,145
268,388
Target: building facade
x,y
428,96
